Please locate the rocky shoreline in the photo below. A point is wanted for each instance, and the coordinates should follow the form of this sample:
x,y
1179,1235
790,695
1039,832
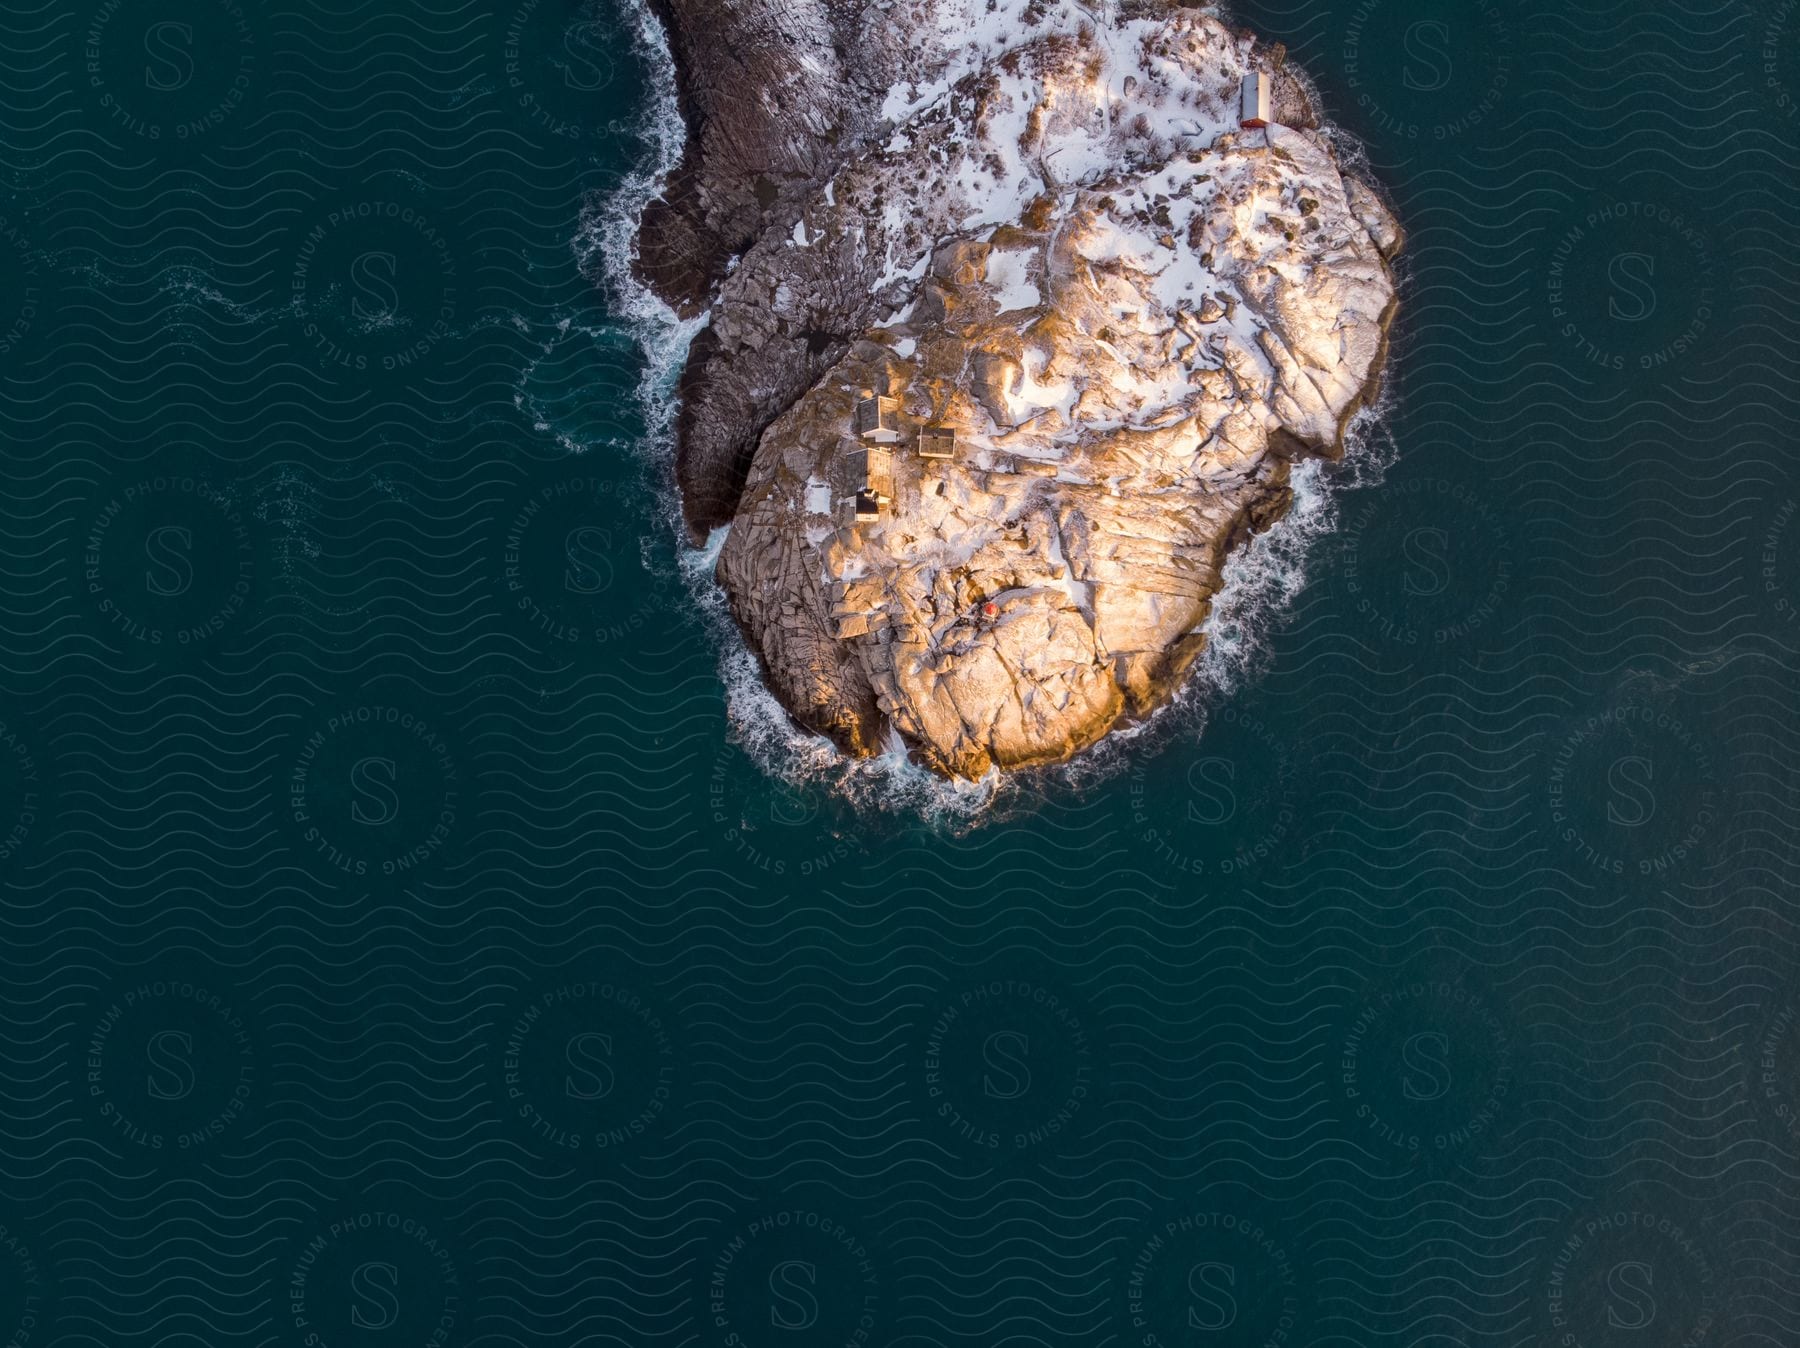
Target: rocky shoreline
x,y
1019,317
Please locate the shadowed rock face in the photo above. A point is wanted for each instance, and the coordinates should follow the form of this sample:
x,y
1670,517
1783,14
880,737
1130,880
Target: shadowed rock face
x,y
776,94
1043,227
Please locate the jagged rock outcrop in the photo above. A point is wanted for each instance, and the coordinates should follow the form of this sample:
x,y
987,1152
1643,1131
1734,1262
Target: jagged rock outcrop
x,y
1041,226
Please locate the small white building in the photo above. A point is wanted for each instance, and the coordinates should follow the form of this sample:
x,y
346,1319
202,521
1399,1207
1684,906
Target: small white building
x,y
878,417
937,442
1258,108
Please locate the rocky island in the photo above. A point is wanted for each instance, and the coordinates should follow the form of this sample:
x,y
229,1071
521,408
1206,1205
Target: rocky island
x,y
1020,313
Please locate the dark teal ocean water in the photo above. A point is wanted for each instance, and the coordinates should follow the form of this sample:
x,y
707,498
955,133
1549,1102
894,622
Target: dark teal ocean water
x,y
400,944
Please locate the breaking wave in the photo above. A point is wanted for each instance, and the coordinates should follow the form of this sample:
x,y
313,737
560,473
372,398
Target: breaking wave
x,y
606,244
1262,579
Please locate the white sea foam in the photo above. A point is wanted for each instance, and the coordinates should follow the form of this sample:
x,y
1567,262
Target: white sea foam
x,y
606,248
1263,578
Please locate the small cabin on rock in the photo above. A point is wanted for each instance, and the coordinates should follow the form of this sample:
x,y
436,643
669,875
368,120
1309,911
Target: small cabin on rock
x,y
878,417
937,442
1258,108
872,479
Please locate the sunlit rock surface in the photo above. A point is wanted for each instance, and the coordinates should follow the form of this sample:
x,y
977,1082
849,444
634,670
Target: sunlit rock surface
x,y
1043,227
